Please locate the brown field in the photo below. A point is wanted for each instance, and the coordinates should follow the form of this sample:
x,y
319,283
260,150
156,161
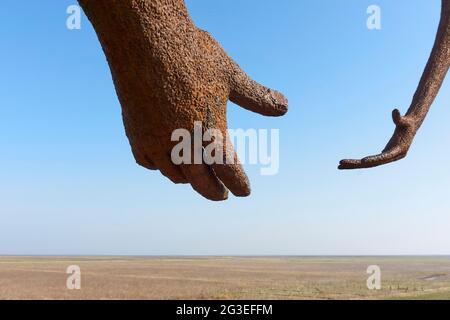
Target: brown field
x,y
224,278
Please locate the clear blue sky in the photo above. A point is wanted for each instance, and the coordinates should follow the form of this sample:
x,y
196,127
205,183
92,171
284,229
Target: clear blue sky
x,y
69,184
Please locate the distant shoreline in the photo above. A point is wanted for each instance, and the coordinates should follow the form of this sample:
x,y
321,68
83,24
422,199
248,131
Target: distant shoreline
x,y
221,256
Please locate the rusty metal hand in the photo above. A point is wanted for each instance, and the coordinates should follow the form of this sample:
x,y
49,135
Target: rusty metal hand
x,y
168,75
408,125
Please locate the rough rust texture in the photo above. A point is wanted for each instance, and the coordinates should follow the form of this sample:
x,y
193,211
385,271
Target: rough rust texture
x,y
169,74
408,125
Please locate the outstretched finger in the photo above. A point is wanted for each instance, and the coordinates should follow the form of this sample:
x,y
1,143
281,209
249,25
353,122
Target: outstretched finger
x,y
373,161
255,97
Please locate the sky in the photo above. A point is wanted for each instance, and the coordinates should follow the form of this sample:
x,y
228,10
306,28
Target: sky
x,y
69,184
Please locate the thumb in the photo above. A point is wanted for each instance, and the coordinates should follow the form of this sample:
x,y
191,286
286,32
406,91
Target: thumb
x,y
252,96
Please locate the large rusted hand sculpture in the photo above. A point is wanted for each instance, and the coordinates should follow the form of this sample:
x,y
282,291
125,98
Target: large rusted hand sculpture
x,y
408,125
169,74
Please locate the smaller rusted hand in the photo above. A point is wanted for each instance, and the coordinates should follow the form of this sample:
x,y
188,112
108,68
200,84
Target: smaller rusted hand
x,y
427,90
396,149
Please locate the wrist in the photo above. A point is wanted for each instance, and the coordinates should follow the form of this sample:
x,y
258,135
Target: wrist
x,y
152,17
